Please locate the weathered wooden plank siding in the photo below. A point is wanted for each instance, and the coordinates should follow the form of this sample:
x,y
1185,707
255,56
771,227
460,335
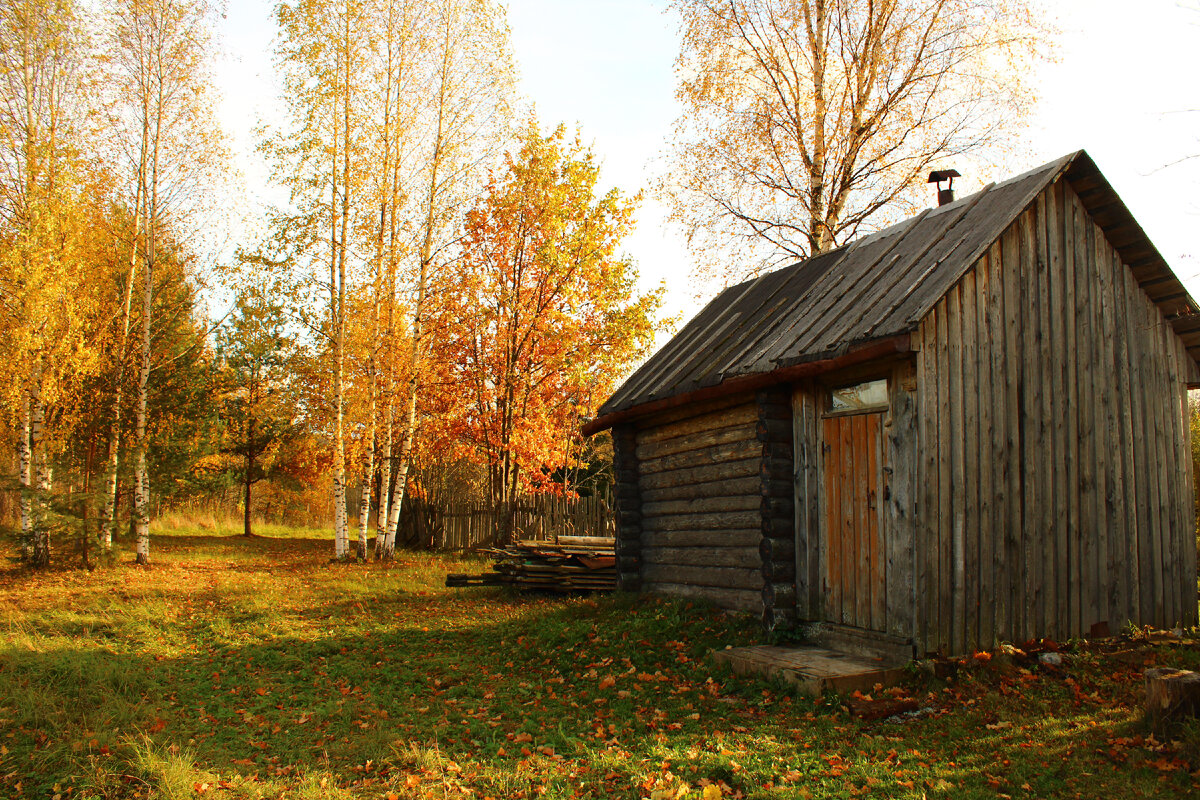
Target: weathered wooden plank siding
x,y
1052,458
699,486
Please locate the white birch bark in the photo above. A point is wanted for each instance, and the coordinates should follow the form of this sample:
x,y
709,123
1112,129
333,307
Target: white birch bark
x,y
40,557
368,460
25,476
113,455
337,308
141,471
385,481
364,497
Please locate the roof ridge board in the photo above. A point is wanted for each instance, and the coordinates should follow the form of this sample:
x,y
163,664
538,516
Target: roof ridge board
x,y
777,331
772,321
724,312
687,333
1054,171
897,301
877,290
817,314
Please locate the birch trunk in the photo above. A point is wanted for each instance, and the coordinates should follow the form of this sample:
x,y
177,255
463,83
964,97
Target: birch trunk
x,y
337,304
25,476
364,498
246,523
368,465
385,481
113,455
40,557
141,472
409,418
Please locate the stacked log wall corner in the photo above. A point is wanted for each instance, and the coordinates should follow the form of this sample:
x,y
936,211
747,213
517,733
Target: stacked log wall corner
x,y
774,430
629,509
806,488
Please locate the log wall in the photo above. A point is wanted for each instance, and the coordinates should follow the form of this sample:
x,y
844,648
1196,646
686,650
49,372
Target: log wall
x,y
698,483
629,509
1054,467
777,549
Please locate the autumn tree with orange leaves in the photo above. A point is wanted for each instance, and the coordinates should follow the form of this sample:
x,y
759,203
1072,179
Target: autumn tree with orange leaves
x,y
547,311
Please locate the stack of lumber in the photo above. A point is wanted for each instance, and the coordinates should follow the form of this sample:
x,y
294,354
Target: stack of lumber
x,y
571,564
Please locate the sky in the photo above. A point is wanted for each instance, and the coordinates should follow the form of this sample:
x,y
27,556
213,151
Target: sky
x,y
1122,88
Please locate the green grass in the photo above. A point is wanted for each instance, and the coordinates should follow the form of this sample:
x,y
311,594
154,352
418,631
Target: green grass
x,y
255,669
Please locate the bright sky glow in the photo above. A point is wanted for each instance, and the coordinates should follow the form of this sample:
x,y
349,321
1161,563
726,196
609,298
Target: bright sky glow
x,y
1122,89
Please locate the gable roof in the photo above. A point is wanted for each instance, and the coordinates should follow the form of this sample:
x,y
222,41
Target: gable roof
x,y
866,296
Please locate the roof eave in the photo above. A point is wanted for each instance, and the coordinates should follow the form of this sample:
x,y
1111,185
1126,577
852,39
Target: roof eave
x,y
855,354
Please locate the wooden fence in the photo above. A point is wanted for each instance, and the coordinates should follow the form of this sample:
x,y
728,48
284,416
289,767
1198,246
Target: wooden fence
x,y
467,526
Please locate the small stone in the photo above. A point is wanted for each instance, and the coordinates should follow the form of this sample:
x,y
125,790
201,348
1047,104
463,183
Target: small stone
x,y
1051,659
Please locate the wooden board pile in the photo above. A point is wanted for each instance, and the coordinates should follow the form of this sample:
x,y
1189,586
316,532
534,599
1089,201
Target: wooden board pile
x,y
571,564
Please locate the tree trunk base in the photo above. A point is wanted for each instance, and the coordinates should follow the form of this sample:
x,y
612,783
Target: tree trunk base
x,y
1171,694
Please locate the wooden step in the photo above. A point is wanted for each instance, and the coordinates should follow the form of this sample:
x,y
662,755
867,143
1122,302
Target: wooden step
x,y
812,670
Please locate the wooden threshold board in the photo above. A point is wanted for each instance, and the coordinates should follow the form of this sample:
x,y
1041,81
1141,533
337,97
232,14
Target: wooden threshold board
x,y
811,670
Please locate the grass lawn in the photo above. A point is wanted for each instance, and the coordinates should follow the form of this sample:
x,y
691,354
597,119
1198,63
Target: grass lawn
x,y
237,668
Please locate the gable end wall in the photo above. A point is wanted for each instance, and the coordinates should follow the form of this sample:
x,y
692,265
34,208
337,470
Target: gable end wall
x,y
1055,490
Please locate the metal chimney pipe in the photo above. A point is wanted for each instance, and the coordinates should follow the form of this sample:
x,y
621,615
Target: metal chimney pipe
x,y
945,195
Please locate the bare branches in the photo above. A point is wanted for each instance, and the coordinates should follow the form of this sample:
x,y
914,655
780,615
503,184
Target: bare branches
x,y
807,120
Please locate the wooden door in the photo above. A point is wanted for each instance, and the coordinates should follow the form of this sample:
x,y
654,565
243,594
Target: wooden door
x,y
855,563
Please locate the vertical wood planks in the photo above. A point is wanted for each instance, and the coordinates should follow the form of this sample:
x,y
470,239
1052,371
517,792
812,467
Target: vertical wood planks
x,y
967,557
1058,290
1032,530
1188,562
901,461
1000,599
1054,490
944,587
1102,391
1084,564
831,564
1012,586
926,479
1046,358
807,502
878,559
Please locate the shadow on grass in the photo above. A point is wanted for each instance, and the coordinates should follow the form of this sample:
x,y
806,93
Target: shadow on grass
x,y
366,677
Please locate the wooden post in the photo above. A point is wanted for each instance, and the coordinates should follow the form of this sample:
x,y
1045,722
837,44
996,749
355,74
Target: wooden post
x,y
777,549
629,509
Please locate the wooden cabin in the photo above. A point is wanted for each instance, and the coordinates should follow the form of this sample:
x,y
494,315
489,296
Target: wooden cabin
x,y
968,428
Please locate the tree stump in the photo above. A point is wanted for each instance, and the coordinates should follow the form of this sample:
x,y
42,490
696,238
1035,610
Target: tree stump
x,y
1171,694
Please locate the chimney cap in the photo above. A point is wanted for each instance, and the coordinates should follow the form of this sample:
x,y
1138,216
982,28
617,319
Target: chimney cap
x,y
939,175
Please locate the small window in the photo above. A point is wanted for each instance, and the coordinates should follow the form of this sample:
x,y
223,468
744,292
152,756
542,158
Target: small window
x,y
859,397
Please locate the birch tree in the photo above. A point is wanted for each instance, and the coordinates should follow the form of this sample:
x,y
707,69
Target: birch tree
x,y
168,149
397,59
317,154
469,88
43,103
805,121
392,108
